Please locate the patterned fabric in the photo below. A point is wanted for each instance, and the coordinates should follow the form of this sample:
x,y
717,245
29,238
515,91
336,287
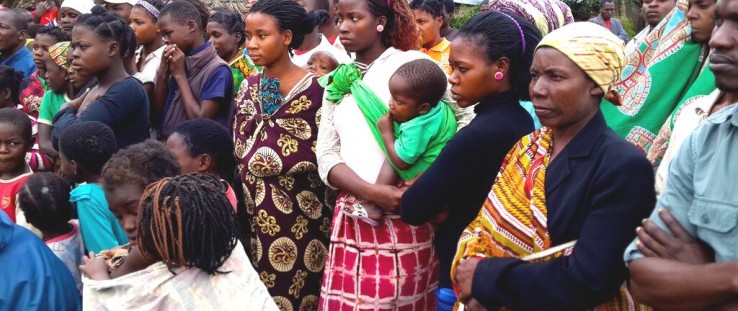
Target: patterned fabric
x,y
513,220
37,160
594,49
547,15
241,68
269,95
658,74
387,267
68,248
58,53
283,193
30,97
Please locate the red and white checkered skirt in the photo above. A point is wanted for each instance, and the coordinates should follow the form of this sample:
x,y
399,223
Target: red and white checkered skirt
x,y
392,266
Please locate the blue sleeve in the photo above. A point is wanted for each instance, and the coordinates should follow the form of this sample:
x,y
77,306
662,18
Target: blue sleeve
x,y
95,221
217,86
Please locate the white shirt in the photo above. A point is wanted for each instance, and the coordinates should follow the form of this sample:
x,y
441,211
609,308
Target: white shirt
x,y
150,65
324,46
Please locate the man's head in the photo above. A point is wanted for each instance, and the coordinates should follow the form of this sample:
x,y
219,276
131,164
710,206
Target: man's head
x,y
724,58
180,23
13,28
607,9
655,10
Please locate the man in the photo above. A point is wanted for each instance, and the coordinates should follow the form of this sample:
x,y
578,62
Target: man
x,y
605,20
695,265
13,28
446,30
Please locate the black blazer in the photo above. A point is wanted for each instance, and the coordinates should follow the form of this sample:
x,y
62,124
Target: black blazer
x,y
598,189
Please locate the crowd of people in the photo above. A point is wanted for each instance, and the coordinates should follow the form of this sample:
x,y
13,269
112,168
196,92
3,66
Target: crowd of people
x,y
363,154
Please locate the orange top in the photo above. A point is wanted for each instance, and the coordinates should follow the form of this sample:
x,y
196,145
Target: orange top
x,y
440,53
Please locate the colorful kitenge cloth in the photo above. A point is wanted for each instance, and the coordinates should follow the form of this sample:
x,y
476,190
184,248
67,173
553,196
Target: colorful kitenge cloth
x,y
513,220
241,68
547,15
30,97
283,193
657,76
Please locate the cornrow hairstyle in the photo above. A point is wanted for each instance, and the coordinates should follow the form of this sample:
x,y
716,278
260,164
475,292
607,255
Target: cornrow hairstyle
x,y
11,79
231,22
183,11
158,4
205,136
90,144
109,26
425,78
20,120
55,32
187,221
19,21
44,199
499,35
400,31
139,165
291,16
433,7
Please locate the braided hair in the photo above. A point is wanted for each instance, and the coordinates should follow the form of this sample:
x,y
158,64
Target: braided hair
x,y
110,26
139,165
400,31
187,221
44,199
433,7
291,16
11,79
55,32
498,34
231,22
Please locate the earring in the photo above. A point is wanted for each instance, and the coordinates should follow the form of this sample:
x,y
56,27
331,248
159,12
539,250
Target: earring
x,y
499,75
380,28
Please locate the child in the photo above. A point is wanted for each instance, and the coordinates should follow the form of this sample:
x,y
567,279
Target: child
x,y
121,7
10,81
147,58
16,138
12,50
321,63
205,89
203,146
44,199
31,96
57,79
425,126
84,148
227,33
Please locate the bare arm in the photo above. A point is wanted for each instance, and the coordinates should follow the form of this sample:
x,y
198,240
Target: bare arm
x,y
44,140
161,90
194,108
385,125
387,175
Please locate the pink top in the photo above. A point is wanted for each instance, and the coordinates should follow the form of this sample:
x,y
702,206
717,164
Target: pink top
x,y
231,195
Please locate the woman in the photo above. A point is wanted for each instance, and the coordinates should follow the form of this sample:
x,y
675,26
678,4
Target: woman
x,y
568,197
316,41
150,45
275,130
396,255
227,33
547,15
99,42
490,62
429,15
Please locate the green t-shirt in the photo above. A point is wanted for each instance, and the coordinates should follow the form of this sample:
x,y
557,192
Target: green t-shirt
x,y
421,134
50,104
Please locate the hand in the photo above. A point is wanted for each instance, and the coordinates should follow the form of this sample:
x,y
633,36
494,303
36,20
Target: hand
x,y
386,197
42,8
95,267
386,124
682,247
75,103
86,104
176,59
465,276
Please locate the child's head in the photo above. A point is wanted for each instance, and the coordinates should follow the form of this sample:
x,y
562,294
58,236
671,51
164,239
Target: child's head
x,y
98,41
429,17
13,31
16,139
121,7
84,148
227,33
127,174
144,16
416,87
202,146
10,81
70,12
57,66
45,38
187,221
181,23
321,63
44,199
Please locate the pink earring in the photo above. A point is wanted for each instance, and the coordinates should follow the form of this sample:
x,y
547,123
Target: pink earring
x,y
499,76
380,28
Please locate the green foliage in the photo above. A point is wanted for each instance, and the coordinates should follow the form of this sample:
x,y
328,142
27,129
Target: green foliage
x,y
630,27
584,9
463,15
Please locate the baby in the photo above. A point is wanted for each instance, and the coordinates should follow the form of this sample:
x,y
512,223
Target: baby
x,y
414,131
321,63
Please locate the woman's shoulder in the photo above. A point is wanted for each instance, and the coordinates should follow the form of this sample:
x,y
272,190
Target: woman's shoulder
x,y
618,152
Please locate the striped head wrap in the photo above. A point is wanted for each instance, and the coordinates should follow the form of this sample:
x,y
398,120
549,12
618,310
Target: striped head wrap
x,y
594,49
58,53
149,8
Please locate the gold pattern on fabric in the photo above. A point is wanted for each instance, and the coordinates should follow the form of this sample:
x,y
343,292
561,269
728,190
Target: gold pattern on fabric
x,y
300,227
326,227
309,204
256,251
298,282
248,201
260,191
296,126
288,144
314,180
267,278
286,181
266,162
268,224
298,105
283,254
281,200
283,303
309,303
315,256
302,167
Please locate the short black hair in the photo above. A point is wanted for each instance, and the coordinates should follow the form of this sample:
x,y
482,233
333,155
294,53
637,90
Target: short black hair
x,y
19,21
205,136
55,32
425,78
11,79
606,1
434,7
44,199
20,120
139,165
90,144
183,11
231,21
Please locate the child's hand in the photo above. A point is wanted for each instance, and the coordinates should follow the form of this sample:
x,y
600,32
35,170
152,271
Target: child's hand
x,y
176,59
385,124
95,267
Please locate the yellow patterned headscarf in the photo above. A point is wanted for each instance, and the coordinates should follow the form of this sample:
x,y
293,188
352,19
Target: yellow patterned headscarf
x,y
593,48
58,53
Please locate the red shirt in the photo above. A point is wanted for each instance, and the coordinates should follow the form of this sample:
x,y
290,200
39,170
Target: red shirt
x,y
607,24
9,191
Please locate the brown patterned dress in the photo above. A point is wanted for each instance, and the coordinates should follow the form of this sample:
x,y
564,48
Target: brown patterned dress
x,y
275,141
